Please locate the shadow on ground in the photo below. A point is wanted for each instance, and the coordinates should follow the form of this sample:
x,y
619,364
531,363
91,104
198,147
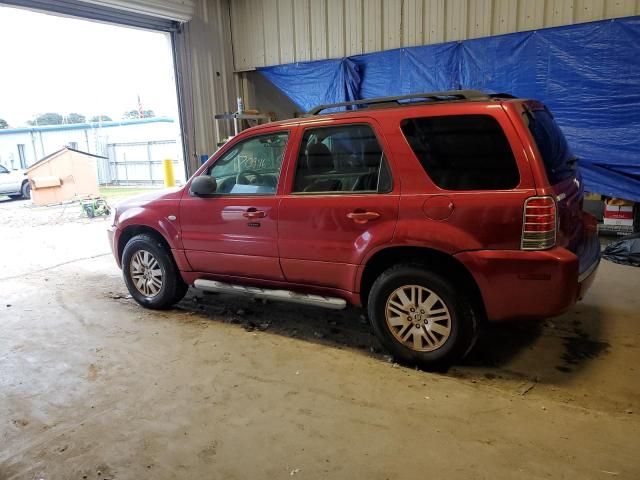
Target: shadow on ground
x,y
551,350
541,351
5,199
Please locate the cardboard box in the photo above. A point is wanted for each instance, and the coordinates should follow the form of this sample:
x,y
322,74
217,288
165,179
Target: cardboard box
x,y
618,212
619,201
627,222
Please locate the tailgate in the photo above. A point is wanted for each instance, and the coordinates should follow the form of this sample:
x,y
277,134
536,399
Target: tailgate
x,y
569,195
576,230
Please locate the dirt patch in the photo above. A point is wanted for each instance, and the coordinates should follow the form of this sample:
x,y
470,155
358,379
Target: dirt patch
x,y
92,372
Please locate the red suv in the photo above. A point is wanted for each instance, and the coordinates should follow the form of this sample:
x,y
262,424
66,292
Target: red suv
x,y
433,211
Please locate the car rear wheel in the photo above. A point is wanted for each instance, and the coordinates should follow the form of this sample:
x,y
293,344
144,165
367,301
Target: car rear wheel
x,y
26,190
150,273
421,317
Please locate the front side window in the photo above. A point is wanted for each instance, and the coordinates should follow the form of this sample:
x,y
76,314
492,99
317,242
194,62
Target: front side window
x,y
3,170
341,159
251,167
463,152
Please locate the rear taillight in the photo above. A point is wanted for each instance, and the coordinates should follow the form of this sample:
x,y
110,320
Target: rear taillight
x,y
539,223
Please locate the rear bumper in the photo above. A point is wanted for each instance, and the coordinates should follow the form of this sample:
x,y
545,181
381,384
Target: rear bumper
x,y
525,284
586,278
588,254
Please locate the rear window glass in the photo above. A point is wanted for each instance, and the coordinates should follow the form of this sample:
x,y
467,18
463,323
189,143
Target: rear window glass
x,y
559,161
463,152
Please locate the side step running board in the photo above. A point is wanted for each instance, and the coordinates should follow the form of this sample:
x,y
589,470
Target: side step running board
x,y
283,295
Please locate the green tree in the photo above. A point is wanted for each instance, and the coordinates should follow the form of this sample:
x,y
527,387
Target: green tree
x,y
76,118
47,119
135,114
3,123
101,118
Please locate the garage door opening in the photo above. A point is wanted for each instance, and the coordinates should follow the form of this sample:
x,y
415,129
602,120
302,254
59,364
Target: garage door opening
x,y
99,88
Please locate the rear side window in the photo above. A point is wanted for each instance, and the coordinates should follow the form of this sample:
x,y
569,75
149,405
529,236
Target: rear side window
x,y
463,152
341,159
559,161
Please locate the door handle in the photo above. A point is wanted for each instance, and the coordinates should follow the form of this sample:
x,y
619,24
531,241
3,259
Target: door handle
x,y
362,217
254,213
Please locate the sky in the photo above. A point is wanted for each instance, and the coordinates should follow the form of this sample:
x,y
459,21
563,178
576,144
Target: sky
x,y
57,64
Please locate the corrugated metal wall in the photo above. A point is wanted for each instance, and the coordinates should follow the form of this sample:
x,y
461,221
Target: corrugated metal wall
x,y
178,10
270,32
204,66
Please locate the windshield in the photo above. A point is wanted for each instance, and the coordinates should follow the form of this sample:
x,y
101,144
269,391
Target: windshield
x,y
559,161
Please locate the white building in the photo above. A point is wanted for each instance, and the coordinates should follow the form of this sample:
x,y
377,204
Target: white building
x,y
134,148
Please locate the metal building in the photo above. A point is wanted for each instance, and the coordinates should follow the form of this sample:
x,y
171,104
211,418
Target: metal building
x,y
131,151
218,43
270,32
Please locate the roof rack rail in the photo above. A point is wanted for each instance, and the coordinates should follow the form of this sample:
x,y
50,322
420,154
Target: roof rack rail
x,y
448,95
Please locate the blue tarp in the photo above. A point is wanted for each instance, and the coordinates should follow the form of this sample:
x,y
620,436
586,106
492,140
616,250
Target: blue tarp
x,y
588,75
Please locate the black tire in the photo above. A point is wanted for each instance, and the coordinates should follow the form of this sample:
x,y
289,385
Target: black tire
x,y
88,209
26,190
172,289
462,323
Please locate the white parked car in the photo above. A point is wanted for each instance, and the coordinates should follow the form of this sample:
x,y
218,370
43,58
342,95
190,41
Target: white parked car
x,y
14,183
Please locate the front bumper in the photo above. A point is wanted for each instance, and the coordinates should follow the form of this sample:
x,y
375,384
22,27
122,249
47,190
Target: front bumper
x,y
113,235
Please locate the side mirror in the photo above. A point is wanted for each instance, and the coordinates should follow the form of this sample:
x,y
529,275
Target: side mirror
x,y
203,186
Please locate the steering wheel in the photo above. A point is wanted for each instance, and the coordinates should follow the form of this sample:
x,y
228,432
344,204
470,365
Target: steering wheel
x,y
241,177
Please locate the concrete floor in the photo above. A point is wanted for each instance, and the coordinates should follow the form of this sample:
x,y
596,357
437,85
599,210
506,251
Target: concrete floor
x,y
93,386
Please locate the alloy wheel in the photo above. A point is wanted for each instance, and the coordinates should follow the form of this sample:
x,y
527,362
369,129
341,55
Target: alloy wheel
x,y
418,318
146,273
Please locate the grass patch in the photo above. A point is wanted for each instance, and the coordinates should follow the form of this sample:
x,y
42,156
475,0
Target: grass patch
x,y
119,193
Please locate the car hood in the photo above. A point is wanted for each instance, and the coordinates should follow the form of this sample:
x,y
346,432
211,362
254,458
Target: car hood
x,y
154,196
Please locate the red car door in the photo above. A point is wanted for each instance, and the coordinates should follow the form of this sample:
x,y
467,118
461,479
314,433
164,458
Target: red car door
x,y
234,231
340,202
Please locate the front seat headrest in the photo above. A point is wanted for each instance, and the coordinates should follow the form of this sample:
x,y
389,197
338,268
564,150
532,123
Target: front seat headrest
x,y
371,153
319,157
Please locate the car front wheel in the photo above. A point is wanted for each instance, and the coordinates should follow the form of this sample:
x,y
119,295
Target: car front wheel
x,y
150,273
421,317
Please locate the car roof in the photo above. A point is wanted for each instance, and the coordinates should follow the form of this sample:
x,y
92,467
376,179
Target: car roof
x,y
380,107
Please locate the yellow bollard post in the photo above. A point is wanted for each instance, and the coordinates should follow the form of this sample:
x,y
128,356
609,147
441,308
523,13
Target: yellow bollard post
x,y
169,179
